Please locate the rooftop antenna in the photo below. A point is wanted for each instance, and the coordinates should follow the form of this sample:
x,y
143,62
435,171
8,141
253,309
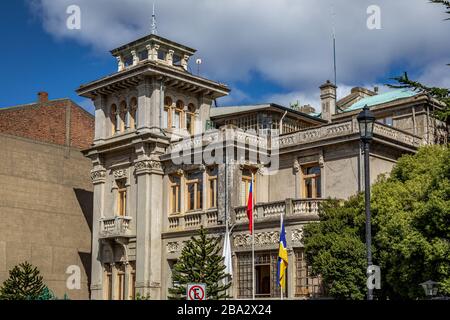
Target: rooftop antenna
x,y
333,16
154,27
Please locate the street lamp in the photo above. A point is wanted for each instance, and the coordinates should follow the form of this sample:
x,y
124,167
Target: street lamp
x,y
430,288
366,122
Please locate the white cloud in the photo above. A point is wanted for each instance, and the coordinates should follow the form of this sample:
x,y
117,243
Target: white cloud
x,y
288,42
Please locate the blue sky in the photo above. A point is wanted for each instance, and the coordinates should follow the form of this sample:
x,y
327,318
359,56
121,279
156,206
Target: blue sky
x,y
266,51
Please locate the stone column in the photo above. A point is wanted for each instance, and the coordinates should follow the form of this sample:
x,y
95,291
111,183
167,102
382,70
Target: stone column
x,y
148,226
135,57
185,61
114,283
323,181
100,118
169,57
98,175
120,63
144,104
298,178
291,274
127,281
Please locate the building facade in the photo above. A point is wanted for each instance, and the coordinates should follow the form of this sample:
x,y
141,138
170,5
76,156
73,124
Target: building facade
x,y
167,160
46,193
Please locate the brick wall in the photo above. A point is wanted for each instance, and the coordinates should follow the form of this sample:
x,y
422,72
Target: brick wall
x,y
49,122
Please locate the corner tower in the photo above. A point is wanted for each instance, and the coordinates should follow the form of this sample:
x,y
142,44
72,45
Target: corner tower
x,y
151,97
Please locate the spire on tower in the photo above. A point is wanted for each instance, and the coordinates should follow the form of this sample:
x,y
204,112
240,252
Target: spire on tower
x,y
154,28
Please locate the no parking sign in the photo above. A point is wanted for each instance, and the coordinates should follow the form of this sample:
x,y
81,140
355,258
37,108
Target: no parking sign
x,y
196,291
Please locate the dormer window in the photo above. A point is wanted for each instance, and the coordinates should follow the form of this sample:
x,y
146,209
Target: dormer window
x,y
176,60
143,55
161,55
128,61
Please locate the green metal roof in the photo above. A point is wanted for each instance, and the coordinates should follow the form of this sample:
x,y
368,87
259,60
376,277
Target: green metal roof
x,y
382,98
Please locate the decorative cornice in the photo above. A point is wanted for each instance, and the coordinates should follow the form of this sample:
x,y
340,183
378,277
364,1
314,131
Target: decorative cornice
x,y
261,239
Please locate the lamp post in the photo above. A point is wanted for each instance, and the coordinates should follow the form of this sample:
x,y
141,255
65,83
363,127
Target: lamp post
x,y
366,121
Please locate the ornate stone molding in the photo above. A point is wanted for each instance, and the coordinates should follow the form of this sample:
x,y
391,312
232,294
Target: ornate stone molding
x,y
297,235
173,247
261,239
98,176
296,166
148,166
120,174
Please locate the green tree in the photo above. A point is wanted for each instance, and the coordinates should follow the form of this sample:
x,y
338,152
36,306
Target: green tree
x,y
410,227
441,94
46,294
24,283
200,262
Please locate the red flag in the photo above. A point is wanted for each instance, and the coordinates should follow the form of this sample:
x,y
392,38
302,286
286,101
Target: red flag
x,y
250,208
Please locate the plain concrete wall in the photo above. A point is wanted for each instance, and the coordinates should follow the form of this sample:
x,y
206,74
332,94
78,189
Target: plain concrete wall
x,y
45,211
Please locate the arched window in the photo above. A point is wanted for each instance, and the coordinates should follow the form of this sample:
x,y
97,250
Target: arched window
x,y
178,115
123,116
133,114
167,118
113,118
190,119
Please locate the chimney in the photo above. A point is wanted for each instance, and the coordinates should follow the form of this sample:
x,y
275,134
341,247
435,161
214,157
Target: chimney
x,y
307,109
42,97
328,100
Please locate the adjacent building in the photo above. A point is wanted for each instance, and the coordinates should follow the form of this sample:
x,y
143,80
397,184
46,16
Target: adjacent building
x,y
157,128
46,192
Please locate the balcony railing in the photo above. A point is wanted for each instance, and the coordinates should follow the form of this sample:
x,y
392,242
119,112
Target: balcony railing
x,y
115,227
346,128
193,220
291,207
262,211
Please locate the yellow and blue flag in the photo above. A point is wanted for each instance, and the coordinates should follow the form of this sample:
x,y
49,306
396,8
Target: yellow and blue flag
x,y
282,257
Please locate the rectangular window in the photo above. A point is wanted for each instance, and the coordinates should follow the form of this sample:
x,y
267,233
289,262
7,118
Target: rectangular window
x,y
128,60
175,196
122,199
305,284
212,187
194,191
176,60
161,55
176,119
165,118
266,280
245,186
388,121
311,182
143,55
107,286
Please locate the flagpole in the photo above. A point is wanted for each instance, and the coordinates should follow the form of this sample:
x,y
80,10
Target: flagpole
x,y
281,230
253,239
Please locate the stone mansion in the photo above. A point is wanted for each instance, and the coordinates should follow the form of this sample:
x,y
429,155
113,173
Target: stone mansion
x,y
149,197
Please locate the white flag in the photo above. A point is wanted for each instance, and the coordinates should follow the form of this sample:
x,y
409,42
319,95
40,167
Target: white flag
x,y
227,255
